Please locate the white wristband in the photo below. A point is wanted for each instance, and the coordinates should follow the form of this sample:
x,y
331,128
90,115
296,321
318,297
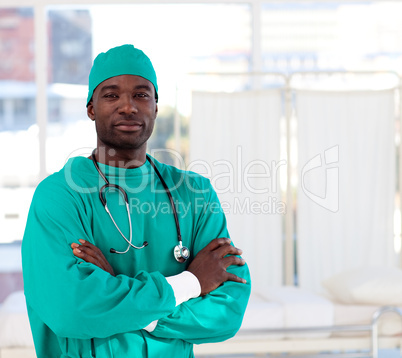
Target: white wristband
x,y
185,286
151,326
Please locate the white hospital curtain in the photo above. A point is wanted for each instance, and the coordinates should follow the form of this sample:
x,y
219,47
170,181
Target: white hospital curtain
x,y
346,186
237,135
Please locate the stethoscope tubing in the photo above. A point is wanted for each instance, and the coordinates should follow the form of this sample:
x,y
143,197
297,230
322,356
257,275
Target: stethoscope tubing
x,y
169,194
180,252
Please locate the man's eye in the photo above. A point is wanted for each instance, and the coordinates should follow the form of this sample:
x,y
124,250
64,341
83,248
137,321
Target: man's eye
x,y
110,95
141,95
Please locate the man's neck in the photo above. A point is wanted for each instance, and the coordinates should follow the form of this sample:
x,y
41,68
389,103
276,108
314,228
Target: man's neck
x,y
122,158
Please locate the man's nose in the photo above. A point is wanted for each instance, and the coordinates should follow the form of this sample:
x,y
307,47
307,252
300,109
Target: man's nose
x,y
127,104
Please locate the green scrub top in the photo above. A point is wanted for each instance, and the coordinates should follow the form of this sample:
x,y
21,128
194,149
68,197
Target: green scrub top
x,y
78,310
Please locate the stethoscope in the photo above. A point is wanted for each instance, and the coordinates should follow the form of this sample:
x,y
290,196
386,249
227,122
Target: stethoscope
x,y
181,253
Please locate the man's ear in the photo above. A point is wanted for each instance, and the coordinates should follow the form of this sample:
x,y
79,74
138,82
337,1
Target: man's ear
x,y
90,111
156,110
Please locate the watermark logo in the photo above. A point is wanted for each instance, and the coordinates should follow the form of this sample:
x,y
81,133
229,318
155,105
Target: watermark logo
x,y
330,199
246,187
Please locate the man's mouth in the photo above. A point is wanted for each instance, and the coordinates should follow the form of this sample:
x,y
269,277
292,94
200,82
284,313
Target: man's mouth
x,y
128,126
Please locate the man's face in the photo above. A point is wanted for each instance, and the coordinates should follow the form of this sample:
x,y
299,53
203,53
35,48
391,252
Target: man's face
x,y
124,110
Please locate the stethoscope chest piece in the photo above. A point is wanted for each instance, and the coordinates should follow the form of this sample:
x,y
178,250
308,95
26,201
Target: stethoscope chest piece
x,y
181,253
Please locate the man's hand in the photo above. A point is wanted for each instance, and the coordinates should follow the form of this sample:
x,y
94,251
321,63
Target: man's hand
x,y
210,264
90,253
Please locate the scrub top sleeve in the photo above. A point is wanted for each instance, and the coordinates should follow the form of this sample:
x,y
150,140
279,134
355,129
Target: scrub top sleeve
x,y
218,315
77,299
185,286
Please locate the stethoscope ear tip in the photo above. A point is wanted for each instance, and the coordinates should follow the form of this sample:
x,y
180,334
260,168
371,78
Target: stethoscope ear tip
x,y
145,243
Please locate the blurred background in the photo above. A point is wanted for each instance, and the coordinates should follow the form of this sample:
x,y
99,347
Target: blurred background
x,y
292,109
46,52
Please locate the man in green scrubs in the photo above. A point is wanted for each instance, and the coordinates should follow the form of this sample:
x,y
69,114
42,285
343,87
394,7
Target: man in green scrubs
x,y
88,292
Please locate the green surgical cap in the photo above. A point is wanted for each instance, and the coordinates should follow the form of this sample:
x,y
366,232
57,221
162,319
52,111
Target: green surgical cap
x,y
121,60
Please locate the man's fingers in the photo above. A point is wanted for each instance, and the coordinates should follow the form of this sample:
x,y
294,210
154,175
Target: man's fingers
x,y
92,254
215,243
94,251
90,246
86,255
222,247
89,253
228,249
233,260
232,277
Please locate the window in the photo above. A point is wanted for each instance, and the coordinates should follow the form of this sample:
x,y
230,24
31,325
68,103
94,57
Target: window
x,y
19,144
323,36
184,38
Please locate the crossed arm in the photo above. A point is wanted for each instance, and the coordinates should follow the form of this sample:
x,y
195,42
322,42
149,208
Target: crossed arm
x,y
209,266
124,304
222,292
